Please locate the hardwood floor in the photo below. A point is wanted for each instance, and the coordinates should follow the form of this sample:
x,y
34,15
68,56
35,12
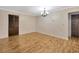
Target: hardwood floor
x,y
37,42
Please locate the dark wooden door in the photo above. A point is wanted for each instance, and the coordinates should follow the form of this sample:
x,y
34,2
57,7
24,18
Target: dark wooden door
x,y
75,25
13,25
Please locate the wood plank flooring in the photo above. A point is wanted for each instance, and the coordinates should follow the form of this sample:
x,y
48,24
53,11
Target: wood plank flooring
x,y
38,43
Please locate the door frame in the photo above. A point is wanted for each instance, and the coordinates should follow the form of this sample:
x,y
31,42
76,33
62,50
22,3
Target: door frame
x,y
8,23
70,24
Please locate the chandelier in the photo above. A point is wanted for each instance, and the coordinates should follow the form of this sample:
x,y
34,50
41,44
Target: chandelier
x,y
44,13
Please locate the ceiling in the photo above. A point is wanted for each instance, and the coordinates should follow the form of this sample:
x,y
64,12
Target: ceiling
x,y
33,10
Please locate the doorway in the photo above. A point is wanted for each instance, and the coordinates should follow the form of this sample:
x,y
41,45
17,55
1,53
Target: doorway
x,y
75,25
13,25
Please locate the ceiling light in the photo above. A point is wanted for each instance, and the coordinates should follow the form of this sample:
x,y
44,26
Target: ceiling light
x,y
44,13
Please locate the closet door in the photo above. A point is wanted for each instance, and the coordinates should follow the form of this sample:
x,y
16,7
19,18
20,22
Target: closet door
x,y
75,25
13,25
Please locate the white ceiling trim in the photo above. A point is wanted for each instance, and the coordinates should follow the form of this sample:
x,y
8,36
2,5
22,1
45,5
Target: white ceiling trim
x,y
18,12
31,10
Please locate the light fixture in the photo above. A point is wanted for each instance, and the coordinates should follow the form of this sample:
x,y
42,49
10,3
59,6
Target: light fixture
x,y
44,13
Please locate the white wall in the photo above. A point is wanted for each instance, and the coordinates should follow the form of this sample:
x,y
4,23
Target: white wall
x,y
56,24
27,24
3,25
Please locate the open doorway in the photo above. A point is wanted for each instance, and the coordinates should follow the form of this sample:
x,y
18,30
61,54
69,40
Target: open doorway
x,y
73,25
13,25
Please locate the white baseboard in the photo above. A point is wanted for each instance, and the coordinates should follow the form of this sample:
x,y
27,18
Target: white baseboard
x,y
2,37
61,37
66,38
